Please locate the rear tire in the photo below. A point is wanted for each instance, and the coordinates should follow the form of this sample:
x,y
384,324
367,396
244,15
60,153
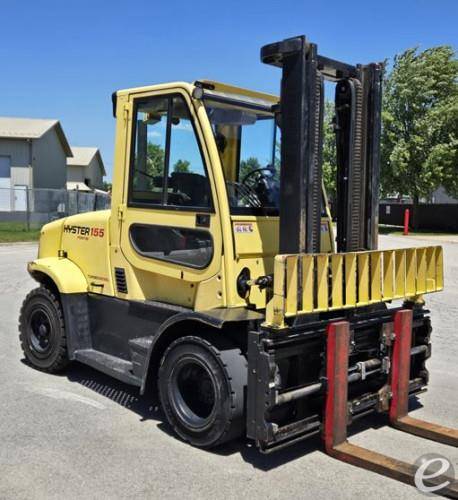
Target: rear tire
x,y
42,331
201,389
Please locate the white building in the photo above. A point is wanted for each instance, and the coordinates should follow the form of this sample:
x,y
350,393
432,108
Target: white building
x,y
33,154
440,196
85,169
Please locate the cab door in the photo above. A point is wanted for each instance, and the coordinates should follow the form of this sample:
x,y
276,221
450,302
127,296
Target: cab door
x,y
170,230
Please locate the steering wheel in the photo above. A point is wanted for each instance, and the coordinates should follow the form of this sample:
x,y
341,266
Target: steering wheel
x,y
258,172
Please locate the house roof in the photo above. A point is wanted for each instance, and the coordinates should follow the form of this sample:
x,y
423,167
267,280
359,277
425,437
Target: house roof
x,y
80,186
31,128
83,156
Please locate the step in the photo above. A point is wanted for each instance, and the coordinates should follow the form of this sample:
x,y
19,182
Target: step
x,y
139,348
108,364
141,344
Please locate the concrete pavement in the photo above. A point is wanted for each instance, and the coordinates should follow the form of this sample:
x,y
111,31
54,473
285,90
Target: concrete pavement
x,y
85,435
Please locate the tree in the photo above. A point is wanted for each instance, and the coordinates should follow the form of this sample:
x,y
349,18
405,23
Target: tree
x,y
329,151
420,124
155,156
247,166
181,166
145,174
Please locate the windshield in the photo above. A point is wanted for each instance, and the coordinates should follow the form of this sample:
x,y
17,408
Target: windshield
x,y
248,142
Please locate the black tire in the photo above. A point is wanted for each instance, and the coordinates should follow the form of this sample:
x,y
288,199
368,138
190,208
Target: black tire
x,y
42,331
201,389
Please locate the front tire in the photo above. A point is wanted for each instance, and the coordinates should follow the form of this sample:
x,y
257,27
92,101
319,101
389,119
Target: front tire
x,y
42,331
201,389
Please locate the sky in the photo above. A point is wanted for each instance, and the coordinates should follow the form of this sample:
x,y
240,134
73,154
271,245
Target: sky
x,y
63,59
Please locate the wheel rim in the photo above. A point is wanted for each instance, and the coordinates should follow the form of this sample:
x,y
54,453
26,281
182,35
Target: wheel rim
x,y
40,332
192,393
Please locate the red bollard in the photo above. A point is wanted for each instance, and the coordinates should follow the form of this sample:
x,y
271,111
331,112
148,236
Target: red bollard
x,y
406,221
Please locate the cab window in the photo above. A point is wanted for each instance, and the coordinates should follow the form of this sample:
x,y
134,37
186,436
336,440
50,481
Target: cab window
x,y
179,245
167,167
248,142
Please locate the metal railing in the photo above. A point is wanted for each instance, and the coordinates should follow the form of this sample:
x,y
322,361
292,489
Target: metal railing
x,y
311,283
31,208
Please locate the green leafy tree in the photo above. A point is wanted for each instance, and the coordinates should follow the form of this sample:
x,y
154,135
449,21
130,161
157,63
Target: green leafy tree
x,y
148,168
420,124
329,151
247,166
277,156
154,167
182,166
155,156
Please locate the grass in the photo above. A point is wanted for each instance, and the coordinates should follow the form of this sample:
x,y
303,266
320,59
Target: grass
x,y
11,232
383,229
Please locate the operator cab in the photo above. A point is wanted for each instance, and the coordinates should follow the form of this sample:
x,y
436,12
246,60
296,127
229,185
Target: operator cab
x,y
201,192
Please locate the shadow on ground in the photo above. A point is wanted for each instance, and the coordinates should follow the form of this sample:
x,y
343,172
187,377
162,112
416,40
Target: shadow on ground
x,y
146,407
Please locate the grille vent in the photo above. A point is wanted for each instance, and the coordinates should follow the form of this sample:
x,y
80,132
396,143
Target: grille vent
x,y
121,282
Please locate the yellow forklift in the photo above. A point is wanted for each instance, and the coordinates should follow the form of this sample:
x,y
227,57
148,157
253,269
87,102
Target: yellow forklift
x,y
216,278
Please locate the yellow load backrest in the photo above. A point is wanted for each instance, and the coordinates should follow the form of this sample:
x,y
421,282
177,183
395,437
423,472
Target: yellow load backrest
x,y
310,283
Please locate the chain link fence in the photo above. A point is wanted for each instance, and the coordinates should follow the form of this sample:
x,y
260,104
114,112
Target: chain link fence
x,y
27,209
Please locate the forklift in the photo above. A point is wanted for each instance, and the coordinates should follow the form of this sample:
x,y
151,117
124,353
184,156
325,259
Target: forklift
x,y
216,282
